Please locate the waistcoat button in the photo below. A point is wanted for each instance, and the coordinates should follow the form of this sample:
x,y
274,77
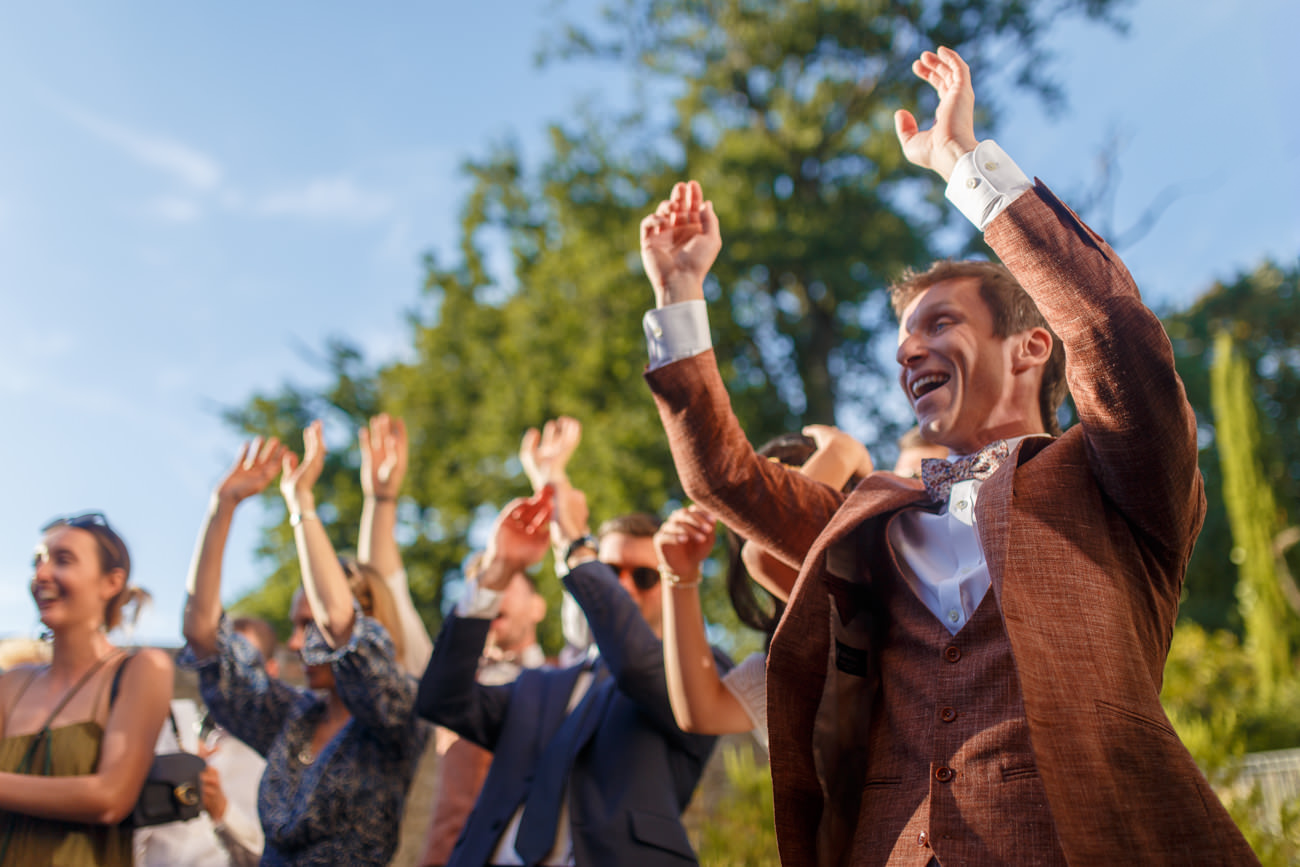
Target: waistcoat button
x,y
952,654
943,774
923,839
947,714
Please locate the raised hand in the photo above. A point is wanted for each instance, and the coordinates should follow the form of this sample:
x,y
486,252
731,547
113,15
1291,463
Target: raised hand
x,y
840,449
384,452
953,133
519,539
679,243
569,518
257,464
299,477
545,454
684,541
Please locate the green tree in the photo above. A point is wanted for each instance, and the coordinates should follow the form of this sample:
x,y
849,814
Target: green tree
x,y
1253,516
1261,311
784,111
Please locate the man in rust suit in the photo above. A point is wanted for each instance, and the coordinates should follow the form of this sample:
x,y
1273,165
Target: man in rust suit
x,y
969,670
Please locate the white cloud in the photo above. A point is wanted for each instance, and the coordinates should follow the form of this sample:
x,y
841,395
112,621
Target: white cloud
x,y
326,199
186,164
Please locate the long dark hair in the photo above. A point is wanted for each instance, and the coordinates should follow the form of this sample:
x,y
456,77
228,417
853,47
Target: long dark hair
x,y
754,605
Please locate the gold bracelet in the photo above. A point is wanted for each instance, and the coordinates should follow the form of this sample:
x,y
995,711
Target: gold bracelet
x,y
296,518
672,579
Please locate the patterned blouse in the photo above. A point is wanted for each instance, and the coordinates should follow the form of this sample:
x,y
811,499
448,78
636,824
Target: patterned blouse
x,y
344,805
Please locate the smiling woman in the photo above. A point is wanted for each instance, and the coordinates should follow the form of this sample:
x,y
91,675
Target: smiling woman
x,y
72,760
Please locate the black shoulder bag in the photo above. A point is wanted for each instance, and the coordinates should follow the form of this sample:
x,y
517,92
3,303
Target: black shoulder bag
x,y
171,791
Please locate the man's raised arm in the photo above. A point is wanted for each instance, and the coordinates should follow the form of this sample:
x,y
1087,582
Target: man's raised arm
x,y
717,464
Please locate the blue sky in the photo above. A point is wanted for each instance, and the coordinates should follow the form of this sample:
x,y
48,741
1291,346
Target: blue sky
x,y
190,194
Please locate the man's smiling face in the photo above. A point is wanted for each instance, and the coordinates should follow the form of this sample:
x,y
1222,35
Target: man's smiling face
x,y
957,375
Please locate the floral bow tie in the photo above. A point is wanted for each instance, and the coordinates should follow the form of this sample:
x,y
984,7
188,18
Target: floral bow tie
x,y
939,475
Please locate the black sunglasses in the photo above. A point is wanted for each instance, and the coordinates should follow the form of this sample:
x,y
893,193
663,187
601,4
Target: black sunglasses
x,y
642,576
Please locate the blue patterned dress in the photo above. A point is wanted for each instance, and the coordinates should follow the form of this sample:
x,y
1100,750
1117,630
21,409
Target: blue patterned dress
x,y
345,805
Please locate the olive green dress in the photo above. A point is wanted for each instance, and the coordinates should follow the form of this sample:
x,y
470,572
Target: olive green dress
x,y
69,750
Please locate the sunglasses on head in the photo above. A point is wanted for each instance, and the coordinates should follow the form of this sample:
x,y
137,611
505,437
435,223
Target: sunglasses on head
x,y
83,521
642,576
97,525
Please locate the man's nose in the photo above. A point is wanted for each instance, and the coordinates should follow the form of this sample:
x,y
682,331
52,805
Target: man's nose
x,y
911,349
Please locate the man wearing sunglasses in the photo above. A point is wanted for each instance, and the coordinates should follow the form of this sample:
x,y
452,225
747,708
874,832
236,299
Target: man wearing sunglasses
x,y
589,764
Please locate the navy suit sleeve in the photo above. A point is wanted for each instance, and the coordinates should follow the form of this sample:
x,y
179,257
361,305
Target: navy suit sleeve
x,y
634,654
449,693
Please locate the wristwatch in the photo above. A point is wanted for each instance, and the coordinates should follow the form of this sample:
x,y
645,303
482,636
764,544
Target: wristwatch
x,y
589,542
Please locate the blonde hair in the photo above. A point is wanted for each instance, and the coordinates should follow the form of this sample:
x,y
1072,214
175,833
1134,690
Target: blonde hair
x,y
375,599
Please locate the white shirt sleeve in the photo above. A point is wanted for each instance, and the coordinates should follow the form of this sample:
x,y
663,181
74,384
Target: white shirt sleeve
x,y
241,835
984,182
748,683
676,331
478,602
417,646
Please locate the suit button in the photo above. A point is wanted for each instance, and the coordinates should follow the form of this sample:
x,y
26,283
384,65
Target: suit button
x,y
943,774
952,654
947,714
923,839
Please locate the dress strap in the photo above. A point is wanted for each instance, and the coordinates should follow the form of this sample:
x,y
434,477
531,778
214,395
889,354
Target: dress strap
x,y
111,689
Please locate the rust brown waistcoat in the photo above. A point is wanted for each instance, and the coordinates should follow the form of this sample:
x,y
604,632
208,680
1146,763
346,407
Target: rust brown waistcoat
x,y
950,772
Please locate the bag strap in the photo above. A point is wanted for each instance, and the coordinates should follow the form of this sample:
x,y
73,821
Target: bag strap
x,y
112,697
85,678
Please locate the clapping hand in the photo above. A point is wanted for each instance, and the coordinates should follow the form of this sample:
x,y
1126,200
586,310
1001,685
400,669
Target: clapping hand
x,y
384,452
519,539
257,464
299,477
679,243
684,541
850,453
545,454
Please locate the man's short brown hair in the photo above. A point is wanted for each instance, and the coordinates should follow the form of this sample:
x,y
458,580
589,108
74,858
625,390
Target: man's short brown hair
x,y
641,525
1013,312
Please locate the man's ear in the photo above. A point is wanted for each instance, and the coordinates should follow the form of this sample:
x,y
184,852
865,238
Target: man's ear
x,y
1033,348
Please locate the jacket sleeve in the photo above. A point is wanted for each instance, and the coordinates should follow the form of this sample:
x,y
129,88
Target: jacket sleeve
x,y
780,510
449,694
1140,430
634,654
369,678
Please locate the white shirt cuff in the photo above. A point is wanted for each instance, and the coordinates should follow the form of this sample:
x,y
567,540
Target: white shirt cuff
x,y
478,602
676,331
984,182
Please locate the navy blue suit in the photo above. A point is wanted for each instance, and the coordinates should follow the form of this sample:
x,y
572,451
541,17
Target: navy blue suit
x,y
633,778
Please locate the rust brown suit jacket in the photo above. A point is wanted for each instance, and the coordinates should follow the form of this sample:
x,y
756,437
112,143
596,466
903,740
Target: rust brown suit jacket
x,y
1086,537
